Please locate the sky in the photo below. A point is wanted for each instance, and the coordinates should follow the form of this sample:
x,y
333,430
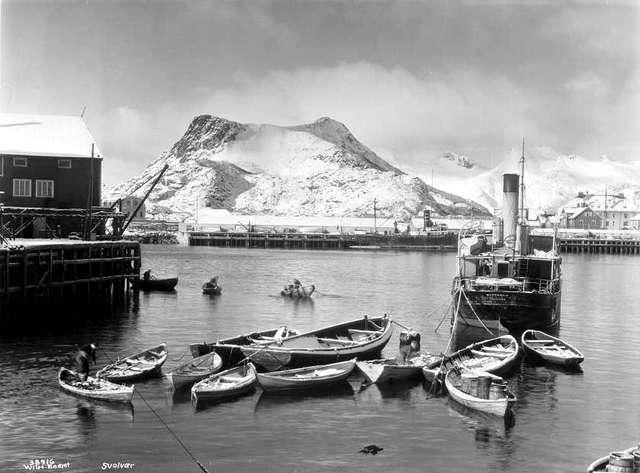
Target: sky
x,y
411,80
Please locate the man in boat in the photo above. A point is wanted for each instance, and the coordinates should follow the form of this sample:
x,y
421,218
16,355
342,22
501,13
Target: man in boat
x,y
409,345
85,354
147,275
212,283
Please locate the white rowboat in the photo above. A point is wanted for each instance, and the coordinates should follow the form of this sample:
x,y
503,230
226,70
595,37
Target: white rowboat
x,y
94,388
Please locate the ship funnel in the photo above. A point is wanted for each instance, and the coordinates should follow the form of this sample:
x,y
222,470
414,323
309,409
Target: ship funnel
x,y
510,208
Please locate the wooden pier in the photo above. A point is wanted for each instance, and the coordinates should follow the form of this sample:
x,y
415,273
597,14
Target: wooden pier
x,y
41,279
600,245
436,241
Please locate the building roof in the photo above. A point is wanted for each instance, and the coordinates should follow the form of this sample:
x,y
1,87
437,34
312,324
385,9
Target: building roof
x,y
45,135
579,212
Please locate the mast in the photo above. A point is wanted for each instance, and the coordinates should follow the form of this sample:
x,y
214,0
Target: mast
x,y
522,185
375,220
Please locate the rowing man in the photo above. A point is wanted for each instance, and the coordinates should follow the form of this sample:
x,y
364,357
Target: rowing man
x,y
85,354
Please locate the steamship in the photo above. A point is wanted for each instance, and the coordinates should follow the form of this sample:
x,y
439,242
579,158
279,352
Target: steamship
x,y
512,283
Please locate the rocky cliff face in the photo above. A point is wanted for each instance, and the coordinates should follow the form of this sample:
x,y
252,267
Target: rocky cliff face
x,y
312,169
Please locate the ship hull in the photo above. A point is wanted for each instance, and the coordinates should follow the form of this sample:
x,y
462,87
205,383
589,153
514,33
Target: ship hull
x,y
511,310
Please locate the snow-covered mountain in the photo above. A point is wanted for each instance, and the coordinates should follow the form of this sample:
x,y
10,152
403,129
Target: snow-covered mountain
x,y
552,179
315,169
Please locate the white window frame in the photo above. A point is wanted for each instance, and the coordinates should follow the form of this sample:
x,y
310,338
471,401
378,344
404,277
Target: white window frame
x,y
60,161
17,160
39,188
26,183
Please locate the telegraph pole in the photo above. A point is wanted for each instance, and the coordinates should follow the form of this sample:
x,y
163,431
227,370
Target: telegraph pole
x,y
375,222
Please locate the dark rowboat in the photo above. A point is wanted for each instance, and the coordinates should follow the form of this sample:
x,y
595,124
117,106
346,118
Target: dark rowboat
x,y
496,356
228,384
307,378
194,370
541,346
145,364
361,338
167,284
622,461
94,388
211,290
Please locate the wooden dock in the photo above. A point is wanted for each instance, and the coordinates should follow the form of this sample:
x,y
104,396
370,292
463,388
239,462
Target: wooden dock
x,y
600,245
435,241
40,279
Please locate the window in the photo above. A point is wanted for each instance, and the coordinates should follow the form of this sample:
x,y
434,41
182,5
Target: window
x,y
22,187
44,188
64,163
20,162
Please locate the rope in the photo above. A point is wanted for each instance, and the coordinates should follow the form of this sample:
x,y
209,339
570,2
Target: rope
x,y
474,312
200,465
185,353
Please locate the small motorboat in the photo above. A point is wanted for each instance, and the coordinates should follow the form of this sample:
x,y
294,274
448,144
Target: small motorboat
x,y
155,284
497,356
479,390
362,338
227,384
541,346
194,370
390,369
94,388
307,378
621,461
298,291
145,364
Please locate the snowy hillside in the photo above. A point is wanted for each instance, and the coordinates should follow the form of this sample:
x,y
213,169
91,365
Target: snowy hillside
x,y
306,170
552,179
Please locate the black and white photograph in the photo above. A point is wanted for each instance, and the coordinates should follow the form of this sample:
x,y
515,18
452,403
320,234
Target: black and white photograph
x,y
385,236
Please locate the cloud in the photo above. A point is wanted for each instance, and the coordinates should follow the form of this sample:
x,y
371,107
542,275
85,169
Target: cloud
x,y
394,111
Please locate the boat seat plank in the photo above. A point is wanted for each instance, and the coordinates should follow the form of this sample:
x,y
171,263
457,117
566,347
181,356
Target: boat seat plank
x,y
336,341
540,341
366,332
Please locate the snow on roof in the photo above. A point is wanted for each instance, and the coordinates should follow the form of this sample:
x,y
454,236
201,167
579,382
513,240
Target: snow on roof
x,y
45,135
579,212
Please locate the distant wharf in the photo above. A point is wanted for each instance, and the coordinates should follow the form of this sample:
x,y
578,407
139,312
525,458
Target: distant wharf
x,y
435,241
600,245
39,278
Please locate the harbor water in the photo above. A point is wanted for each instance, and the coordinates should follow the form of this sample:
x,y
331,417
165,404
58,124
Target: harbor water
x,y
562,421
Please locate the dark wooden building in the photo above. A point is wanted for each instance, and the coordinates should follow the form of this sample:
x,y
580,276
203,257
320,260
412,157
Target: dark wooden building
x,y
47,161
583,217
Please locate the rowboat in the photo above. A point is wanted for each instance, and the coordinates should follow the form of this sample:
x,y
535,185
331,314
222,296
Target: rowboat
x,y
227,384
211,290
496,356
361,338
298,292
386,370
154,284
194,370
308,377
141,365
263,337
496,399
542,346
621,460
94,388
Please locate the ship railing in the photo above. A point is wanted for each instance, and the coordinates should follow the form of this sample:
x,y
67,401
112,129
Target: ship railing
x,y
522,285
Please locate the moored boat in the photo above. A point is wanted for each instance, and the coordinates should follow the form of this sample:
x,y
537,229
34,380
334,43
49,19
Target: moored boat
x,y
386,370
542,346
497,356
147,363
194,370
211,291
361,338
156,284
227,384
479,390
94,388
617,461
308,377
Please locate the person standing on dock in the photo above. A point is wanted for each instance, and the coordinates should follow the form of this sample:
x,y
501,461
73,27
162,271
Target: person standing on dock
x,y
85,354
